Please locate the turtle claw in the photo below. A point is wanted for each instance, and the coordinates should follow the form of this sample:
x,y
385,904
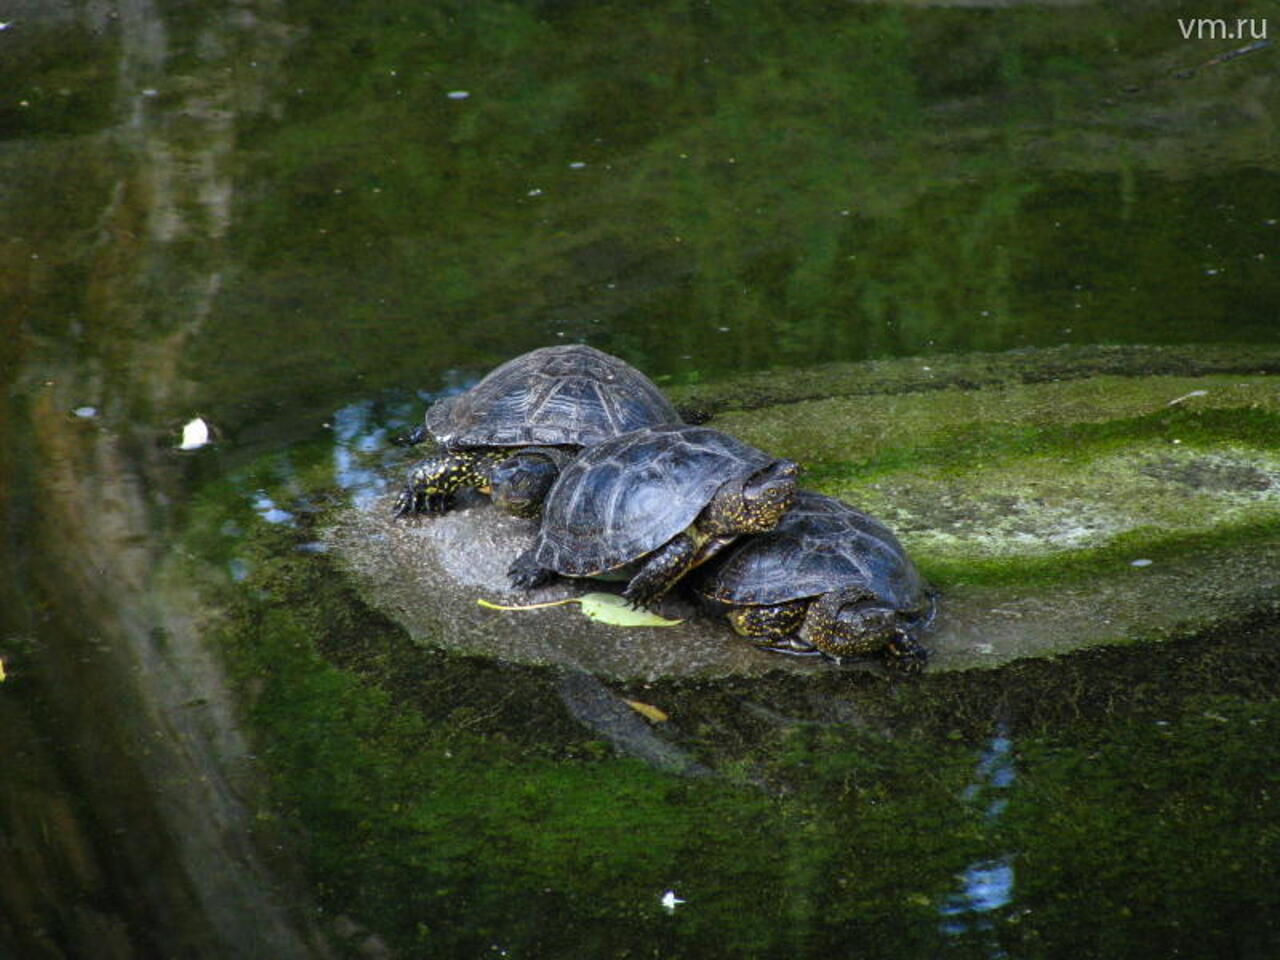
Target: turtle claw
x,y
640,596
412,502
404,503
792,647
904,656
525,574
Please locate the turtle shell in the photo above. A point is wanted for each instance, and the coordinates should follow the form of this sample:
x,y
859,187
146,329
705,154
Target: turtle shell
x,y
554,396
625,497
821,544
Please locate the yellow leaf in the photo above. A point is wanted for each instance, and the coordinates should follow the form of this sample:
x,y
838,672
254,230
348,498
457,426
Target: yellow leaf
x,y
613,609
604,607
647,710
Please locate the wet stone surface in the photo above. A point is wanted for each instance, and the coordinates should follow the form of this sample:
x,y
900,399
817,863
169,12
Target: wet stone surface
x,y
1209,473
442,566
428,575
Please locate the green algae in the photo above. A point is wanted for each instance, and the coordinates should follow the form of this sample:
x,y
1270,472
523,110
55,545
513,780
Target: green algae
x,y
1106,833
427,802
448,819
970,371
975,424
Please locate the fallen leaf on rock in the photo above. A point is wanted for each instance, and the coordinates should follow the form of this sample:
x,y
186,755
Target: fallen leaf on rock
x,y
605,607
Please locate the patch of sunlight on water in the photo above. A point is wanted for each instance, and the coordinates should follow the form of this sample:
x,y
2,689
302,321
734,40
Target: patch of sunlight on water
x,y
985,885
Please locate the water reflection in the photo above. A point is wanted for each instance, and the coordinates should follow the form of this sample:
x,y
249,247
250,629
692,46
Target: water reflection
x,y
358,433
985,885
266,508
140,838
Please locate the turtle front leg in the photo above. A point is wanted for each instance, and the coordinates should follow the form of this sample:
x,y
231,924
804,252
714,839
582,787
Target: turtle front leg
x,y
659,573
526,573
434,481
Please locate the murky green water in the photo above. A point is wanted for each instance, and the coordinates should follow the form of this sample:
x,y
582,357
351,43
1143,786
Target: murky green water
x,y
302,220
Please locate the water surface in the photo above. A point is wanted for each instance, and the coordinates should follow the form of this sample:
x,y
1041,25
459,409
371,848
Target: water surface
x,y
268,212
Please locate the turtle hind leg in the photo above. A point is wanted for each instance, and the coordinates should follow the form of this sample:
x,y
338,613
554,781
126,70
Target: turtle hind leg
x,y
904,655
434,481
773,627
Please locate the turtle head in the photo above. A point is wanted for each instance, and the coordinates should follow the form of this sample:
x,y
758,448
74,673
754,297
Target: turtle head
x,y
519,484
767,495
854,622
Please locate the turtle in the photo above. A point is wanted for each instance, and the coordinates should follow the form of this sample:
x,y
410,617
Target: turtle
x,y
652,504
511,433
827,579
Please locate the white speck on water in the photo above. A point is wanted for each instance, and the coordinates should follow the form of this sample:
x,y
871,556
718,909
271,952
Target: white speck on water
x,y
535,192
577,164
86,413
194,435
1141,562
670,901
458,94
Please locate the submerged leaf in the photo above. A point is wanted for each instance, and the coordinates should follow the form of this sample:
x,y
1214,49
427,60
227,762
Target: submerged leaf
x,y
613,609
647,710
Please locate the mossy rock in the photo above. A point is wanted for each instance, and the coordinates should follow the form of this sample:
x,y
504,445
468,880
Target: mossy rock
x,y
1056,501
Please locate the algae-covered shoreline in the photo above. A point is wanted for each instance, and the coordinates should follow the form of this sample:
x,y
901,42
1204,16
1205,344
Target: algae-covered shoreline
x,y
449,800
1054,500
